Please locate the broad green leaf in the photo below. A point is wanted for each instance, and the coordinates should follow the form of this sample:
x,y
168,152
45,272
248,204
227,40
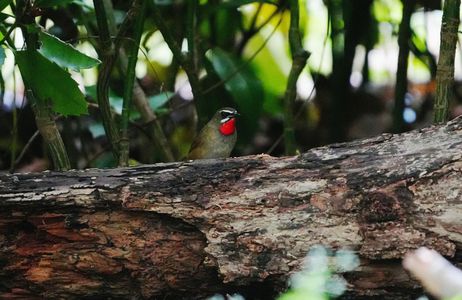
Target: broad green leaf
x,y
388,10
244,86
51,3
49,82
64,54
4,3
268,67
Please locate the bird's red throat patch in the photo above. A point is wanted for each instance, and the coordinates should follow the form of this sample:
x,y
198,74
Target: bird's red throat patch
x,y
228,127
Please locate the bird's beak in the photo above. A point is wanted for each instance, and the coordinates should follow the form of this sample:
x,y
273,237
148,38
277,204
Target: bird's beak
x,y
236,114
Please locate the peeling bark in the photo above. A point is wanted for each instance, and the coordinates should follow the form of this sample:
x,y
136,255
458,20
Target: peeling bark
x,y
190,229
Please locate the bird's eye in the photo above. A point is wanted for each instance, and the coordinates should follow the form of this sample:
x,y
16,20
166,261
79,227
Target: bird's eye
x,y
225,114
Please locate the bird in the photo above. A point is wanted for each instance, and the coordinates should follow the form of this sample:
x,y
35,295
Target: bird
x,y
217,138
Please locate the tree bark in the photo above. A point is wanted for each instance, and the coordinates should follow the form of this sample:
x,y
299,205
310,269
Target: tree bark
x,y
445,69
190,229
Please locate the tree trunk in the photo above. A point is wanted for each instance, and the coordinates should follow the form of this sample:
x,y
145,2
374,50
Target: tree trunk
x,y
190,229
404,37
445,69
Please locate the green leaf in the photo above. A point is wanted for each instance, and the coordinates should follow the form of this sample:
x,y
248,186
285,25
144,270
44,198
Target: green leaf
x,y
49,82
244,86
269,70
64,54
4,4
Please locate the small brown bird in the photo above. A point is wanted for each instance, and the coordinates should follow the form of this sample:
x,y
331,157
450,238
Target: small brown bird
x,y
217,138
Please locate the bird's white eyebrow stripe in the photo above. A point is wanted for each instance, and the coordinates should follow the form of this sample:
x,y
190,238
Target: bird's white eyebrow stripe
x,y
228,111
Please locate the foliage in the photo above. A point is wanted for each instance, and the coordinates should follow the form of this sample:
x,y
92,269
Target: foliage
x,y
66,97
216,52
64,54
317,280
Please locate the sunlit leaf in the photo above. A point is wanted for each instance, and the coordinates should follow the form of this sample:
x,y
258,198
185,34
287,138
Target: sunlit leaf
x,y
4,3
268,67
64,54
49,82
388,10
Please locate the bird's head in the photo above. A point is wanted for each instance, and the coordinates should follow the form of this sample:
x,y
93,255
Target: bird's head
x,y
227,118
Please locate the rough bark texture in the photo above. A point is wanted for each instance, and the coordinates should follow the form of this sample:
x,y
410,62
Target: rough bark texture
x,y
189,229
445,70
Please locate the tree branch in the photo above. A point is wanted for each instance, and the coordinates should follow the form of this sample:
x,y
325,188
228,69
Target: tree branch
x,y
137,13
299,58
42,112
108,57
190,229
401,72
445,69
185,61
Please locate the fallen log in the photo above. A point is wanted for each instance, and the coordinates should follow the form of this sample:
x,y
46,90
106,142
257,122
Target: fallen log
x,y
191,229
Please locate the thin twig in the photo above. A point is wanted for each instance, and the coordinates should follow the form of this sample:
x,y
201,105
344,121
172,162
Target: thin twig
x,y
299,58
315,80
247,36
108,53
6,35
191,34
184,61
26,147
137,12
445,69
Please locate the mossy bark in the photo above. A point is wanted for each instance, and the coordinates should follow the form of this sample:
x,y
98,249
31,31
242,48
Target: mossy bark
x,y
187,230
299,57
445,69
